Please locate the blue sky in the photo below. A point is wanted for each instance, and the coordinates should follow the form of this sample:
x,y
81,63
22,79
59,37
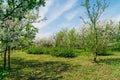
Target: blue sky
x,y
65,14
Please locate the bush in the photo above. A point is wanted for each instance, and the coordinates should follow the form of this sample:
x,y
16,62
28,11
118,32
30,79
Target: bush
x,y
3,75
47,50
56,51
35,50
103,51
62,52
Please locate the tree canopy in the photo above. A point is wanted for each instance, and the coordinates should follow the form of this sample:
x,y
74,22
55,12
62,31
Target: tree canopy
x,y
15,22
10,9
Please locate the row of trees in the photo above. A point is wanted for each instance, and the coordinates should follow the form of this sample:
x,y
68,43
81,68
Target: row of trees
x,y
96,36
107,33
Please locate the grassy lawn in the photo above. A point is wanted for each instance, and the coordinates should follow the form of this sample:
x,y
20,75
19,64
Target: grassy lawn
x,y
46,67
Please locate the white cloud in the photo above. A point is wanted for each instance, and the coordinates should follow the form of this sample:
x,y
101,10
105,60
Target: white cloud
x,y
65,25
116,18
41,36
43,11
71,15
58,11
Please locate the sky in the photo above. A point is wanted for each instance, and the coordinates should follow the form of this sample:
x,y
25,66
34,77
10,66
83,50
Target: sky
x,y
61,14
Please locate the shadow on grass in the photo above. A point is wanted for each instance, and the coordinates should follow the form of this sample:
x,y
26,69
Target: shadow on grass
x,y
38,70
105,54
110,61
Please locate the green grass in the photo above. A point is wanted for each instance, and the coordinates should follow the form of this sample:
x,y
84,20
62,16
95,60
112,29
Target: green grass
x,y
45,67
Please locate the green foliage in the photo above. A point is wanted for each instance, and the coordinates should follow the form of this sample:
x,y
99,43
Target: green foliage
x,y
94,12
116,47
45,42
66,38
103,51
54,51
106,32
63,52
4,74
27,36
39,50
61,38
35,50
14,16
117,36
47,50
18,8
81,52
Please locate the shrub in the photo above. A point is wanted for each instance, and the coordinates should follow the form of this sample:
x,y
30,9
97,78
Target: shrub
x,y
47,50
35,50
3,75
56,51
63,52
103,51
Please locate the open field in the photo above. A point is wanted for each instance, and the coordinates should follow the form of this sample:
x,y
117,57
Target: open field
x,y
46,67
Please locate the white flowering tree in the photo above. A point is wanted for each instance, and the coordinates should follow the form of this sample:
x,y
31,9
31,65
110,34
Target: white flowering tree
x,y
15,22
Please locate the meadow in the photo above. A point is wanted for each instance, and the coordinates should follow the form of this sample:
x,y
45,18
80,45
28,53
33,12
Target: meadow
x,y
46,67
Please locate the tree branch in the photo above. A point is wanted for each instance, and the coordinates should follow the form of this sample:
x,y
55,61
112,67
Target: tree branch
x,y
7,15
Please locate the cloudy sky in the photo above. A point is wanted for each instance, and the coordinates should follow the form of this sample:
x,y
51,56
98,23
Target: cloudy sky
x,y
65,14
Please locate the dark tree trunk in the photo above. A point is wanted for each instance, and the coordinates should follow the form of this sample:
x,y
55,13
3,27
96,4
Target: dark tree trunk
x,y
5,58
9,57
95,57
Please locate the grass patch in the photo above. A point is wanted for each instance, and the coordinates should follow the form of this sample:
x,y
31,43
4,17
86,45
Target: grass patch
x,y
47,67
81,52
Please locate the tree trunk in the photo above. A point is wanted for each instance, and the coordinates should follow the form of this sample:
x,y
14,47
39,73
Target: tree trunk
x,y
95,57
5,58
96,42
9,57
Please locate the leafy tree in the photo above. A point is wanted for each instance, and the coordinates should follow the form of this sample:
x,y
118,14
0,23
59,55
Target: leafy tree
x,y
106,37
94,12
83,32
27,36
45,42
13,33
15,19
11,9
72,37
117,36
67,38
61,38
